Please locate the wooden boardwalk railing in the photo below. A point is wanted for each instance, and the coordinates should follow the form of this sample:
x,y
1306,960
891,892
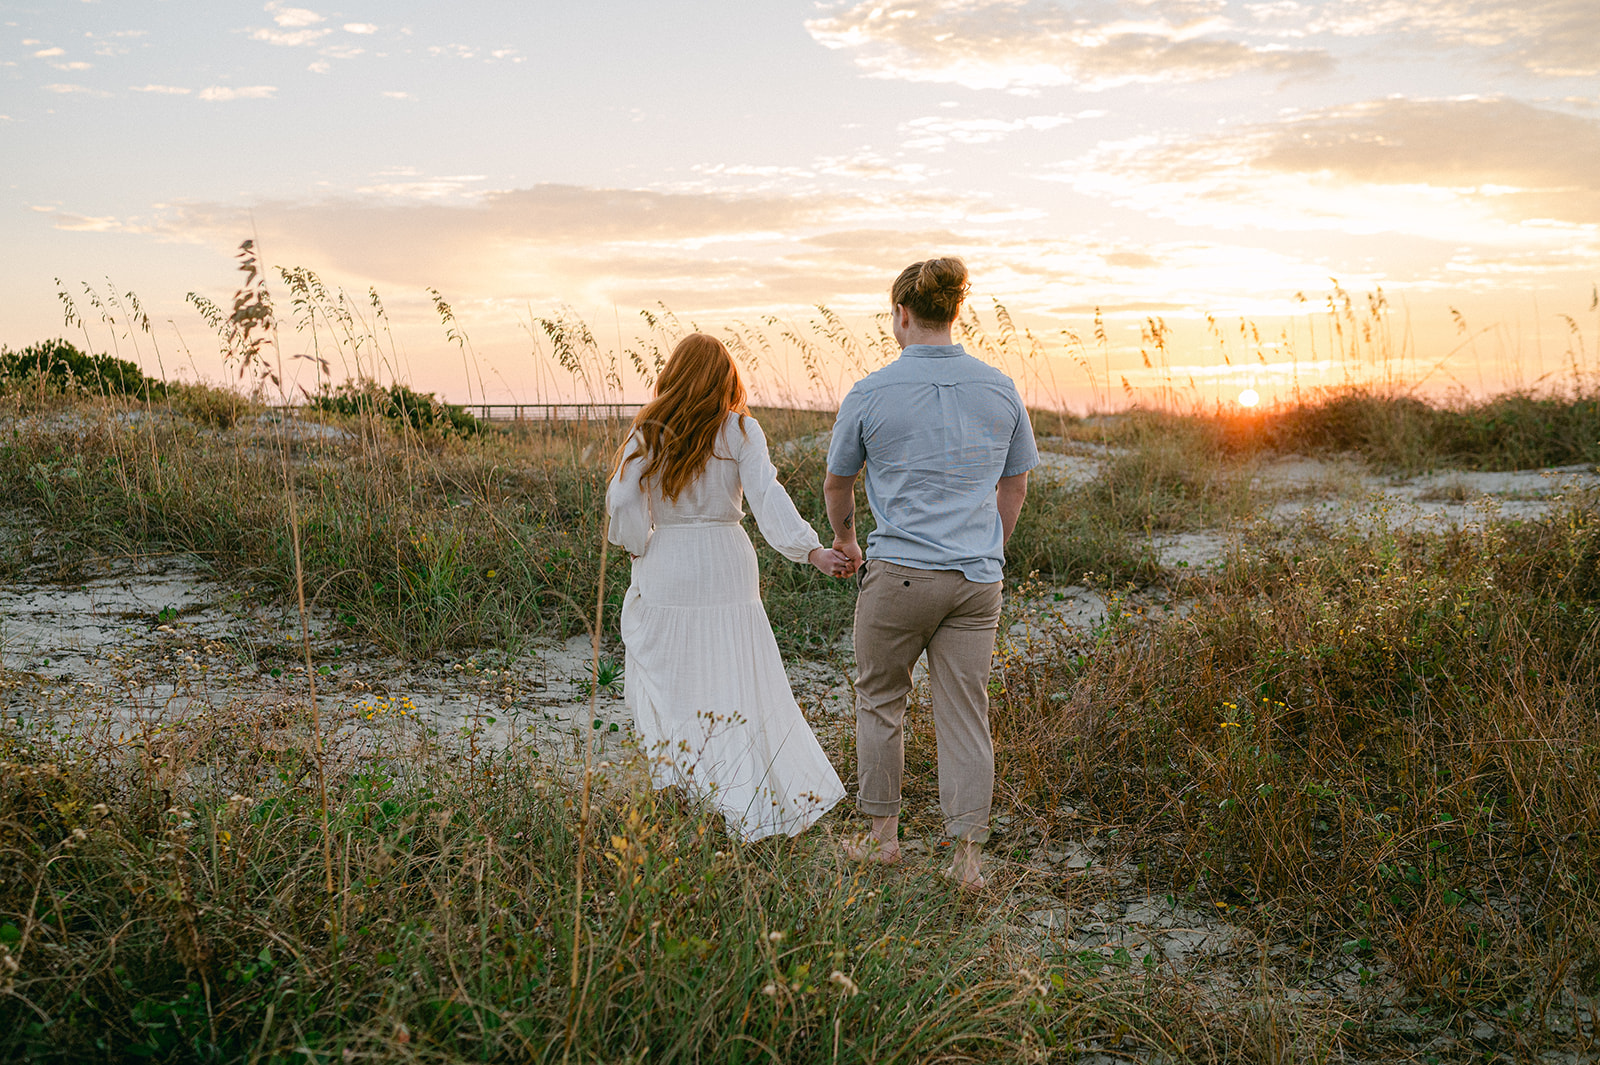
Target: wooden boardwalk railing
x,y
527,412
550,412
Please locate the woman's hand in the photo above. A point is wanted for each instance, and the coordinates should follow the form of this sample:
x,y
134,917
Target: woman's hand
x,y
832,562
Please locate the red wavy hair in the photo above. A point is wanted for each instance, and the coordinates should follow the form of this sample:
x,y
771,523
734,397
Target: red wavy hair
x,y
676,430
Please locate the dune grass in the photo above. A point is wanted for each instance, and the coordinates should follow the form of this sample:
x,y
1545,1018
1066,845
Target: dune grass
x,y
1374,749
425,541
1384,742
171,903
1389,430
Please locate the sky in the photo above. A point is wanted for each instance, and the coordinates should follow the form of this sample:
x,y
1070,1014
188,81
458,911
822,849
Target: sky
x,y
1196,181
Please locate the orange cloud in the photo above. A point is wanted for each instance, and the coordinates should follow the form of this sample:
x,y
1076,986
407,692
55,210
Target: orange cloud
x,y
1025,44
1552,38
1464,170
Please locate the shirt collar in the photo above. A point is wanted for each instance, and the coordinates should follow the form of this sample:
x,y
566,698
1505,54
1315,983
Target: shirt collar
x,y
932,351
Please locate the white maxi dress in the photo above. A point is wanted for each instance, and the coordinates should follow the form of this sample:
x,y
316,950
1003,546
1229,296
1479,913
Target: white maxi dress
x,y
703,677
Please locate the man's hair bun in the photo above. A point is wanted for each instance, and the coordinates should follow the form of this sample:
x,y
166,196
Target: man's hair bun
x,y
932,290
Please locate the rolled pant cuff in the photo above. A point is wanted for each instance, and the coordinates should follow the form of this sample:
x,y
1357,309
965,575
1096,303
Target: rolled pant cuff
x,y
879,809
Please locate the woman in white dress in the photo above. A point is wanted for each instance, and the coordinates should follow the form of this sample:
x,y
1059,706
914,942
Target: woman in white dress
x,y
704,680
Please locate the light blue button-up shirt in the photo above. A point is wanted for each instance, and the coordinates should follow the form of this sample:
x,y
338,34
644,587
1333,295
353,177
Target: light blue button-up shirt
x,y
936,430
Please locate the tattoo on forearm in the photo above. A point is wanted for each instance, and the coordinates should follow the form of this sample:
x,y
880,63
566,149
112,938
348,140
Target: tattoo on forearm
x,y
849,520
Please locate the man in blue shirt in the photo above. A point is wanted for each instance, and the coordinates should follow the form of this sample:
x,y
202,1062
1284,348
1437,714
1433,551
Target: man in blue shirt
x,y
947,446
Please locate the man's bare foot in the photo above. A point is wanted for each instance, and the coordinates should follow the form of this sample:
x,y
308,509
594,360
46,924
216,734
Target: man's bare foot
x,y
868,849
977,883
881,845
965,861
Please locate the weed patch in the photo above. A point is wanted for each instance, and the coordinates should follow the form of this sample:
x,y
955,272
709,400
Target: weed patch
x,y
1383,740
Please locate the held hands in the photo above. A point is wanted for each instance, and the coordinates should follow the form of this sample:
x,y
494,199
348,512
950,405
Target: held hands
x,y
851,550
833,562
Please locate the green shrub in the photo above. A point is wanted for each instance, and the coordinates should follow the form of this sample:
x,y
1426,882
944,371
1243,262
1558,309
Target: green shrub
x,y
1517,430
59,366
397,403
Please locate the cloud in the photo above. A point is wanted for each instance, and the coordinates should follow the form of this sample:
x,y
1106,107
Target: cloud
x,y
725,254
554,241
77,223
869,166
934,133
1072,277
1464,170
459,189
1535,265
1028,44
292,17
1554,38
721,258
114,43
362,28
224,93
752,170
67,89
163,90
49,53
295,27
73,223
1459,142
1094,44
1137,259
803,178
542,214
289,38
395,95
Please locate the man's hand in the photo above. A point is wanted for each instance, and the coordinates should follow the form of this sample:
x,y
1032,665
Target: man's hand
x,y
839,493
833,562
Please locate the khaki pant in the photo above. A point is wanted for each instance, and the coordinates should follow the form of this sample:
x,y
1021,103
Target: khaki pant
x,y
900,613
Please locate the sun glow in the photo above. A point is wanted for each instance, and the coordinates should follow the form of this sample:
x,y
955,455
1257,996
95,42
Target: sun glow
x,y
1249,398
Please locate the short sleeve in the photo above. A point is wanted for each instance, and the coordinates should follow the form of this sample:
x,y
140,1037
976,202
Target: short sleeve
x,y
1023,455
847,451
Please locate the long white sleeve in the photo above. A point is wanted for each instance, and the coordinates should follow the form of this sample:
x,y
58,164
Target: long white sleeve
x,y
776,516
629,506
